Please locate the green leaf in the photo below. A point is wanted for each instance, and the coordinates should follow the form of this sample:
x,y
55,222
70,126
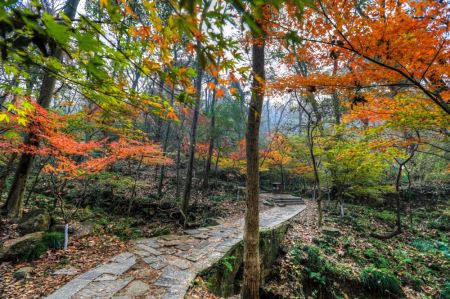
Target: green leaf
x,y
55,30
87,42
10,134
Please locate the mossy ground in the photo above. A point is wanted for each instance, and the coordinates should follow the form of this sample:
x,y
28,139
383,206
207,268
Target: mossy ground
x,y
414,264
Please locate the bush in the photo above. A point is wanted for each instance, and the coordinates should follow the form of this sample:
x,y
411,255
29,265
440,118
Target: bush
x,y
441,223
445,292
380,280
53,240
431,246
386,216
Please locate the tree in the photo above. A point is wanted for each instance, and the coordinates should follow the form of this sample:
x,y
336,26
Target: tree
x,y
252,271
14,202
193,135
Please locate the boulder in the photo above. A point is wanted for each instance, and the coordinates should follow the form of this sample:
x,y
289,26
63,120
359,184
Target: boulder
x,y
25,247
60,228
212,222
83,229
77,229
23,273
34,221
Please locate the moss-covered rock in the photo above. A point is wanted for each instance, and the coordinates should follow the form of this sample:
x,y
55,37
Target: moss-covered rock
x,y
23,273
34,221
26,247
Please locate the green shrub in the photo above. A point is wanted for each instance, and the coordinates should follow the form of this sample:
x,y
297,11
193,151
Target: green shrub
x,y
313,260
124,230
431,246
53,240
296,254
441,223
386,215
423,245
380,280
338,270
445,292
34,252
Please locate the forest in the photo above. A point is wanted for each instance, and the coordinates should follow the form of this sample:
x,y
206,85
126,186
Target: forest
x,y
224,149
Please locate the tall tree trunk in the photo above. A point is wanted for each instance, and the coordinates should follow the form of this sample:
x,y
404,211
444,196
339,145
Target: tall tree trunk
x,y
190,166
252,271
337,120
211,138
6,171
165,146
317,192
397,202
15,197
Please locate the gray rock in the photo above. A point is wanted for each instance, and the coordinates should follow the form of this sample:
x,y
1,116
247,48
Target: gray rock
x,y
78,230
69,289
176,261
134,289
158,265
148,249
212,222
169,237
34,221
83,229
105,277
23,273
102,289
116,268
66,271
17,248
122,257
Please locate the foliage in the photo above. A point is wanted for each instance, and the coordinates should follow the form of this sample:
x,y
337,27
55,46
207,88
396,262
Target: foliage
x,y
53,240
380,280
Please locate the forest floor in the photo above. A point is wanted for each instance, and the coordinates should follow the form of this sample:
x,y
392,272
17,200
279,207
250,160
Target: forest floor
x,y
110,235
414,264
344,261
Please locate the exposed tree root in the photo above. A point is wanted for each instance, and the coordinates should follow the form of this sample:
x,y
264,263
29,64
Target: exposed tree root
x,y
386,236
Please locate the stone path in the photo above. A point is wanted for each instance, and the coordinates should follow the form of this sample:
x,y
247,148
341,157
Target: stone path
x,y
165,266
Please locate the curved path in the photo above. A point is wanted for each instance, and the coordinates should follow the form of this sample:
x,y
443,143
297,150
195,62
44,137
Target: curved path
x,y
165,266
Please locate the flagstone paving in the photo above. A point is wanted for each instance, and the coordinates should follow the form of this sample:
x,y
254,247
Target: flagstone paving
x,y
164,267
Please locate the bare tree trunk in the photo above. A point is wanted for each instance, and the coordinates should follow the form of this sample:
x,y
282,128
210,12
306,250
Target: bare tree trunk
x,y
211,139
317,192
165,146
310,143
178,164
36,180
252,271
6,171
190,167
14,201
397,188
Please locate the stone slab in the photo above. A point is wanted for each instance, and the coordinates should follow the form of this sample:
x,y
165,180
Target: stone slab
x,y
176,258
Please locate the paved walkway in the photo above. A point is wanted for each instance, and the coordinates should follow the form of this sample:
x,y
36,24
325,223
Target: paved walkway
x,y
165,266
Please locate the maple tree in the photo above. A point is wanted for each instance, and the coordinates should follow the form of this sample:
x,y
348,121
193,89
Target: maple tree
x,y
139,106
